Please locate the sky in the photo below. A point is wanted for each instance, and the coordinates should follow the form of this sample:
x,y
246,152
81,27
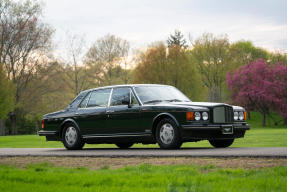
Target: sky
x,y
142,22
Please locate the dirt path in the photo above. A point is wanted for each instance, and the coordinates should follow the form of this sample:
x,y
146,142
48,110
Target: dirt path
x,y
98,163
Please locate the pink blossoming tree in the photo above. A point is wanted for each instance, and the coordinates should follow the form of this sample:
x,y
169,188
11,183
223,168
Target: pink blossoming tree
x,y
260,87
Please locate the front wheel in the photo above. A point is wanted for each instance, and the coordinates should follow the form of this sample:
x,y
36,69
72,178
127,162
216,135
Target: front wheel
x,y
167,134
221,143
72,138
124,145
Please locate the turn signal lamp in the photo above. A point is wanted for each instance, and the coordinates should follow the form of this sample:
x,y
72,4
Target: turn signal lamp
x,y
189,116
244,115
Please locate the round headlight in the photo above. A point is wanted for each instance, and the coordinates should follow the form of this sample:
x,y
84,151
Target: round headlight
x,y
197,116
204,116
235,115
241,115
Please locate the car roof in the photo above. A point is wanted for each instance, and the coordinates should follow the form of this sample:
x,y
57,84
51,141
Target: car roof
x,y
123,85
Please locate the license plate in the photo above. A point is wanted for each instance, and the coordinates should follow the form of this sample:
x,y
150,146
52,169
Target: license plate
x,y
227,129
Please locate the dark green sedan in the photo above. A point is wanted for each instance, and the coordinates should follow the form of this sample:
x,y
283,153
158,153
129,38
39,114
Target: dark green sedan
x,y
143,113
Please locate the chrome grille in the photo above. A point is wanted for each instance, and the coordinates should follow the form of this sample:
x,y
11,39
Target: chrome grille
x,y
229,116
223,114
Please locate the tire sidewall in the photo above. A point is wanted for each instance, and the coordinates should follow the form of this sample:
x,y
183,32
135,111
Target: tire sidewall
x,y
176,142
78,144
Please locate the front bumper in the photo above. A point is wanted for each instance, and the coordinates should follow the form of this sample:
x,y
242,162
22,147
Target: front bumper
x,y
213,127
197,132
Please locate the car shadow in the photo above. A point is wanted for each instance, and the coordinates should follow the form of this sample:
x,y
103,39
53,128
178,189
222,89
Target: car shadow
x,y
149,148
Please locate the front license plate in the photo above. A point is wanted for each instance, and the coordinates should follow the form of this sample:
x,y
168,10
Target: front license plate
x,y
227,129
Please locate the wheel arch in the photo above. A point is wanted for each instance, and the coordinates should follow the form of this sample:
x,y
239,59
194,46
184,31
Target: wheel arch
x,y
65,122
161,116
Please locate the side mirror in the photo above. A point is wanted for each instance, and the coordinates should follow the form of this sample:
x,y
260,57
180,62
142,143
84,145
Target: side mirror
x,y
127,101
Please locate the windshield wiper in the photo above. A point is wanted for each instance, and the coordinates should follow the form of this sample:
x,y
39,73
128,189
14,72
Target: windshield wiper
x,y
152,101
173,100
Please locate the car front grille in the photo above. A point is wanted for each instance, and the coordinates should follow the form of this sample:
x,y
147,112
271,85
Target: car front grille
x,y
223,114
229,116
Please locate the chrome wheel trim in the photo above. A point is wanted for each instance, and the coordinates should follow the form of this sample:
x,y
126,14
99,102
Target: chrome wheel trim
x,y
166,133
71,135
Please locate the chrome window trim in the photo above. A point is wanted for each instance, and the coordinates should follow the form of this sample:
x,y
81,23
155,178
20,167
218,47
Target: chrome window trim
x,y
86,107
83,100
131,92
110,97
137,97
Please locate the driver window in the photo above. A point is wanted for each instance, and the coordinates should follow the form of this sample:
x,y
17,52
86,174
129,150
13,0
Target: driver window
x,y
121,94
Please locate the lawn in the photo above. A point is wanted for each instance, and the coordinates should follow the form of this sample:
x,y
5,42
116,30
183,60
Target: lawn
x,y
258,137
145,177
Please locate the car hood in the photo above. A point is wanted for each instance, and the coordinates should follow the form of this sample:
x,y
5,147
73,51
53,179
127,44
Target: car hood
x,y
195,105
54,114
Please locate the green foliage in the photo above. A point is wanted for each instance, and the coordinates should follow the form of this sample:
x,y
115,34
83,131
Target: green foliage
x,y
177,39
211,56
7,91
171,66
44,177
244,52
105,58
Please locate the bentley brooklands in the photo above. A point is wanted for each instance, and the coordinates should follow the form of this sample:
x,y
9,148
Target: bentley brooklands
x,y
143,113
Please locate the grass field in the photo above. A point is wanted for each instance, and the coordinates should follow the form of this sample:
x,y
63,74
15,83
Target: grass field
x,y
144,177
263,137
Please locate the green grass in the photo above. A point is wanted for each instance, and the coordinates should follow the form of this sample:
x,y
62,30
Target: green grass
x,y
142,178
265,137
271,120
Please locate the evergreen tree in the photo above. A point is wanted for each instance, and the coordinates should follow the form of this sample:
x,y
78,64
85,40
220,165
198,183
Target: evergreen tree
x,y
176,39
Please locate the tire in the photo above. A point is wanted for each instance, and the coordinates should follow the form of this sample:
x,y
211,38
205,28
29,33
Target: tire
x,y
71,138
167,134
221,143
124,145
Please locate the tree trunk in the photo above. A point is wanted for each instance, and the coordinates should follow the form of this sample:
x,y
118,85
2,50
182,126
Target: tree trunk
x,y
285,121
248,115
263,119
37,126
2,127
13,129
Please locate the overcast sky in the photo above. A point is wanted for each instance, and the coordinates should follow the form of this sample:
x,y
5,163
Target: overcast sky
x,y
144,21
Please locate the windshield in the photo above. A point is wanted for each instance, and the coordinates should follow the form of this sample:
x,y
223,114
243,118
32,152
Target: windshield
x,y
151,94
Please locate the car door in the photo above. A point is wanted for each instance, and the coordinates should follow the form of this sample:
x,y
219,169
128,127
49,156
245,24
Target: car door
x,y
123,112
91,114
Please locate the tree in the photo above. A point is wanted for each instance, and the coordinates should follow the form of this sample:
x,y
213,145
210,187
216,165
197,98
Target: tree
x,y
106,54
172,66
243,52
279,88
6,98
23,40
77,71
258,86
177,39
211,56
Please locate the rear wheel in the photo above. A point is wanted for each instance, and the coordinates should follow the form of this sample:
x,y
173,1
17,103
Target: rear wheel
x,y
72,138
124,145
221,143
167,134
